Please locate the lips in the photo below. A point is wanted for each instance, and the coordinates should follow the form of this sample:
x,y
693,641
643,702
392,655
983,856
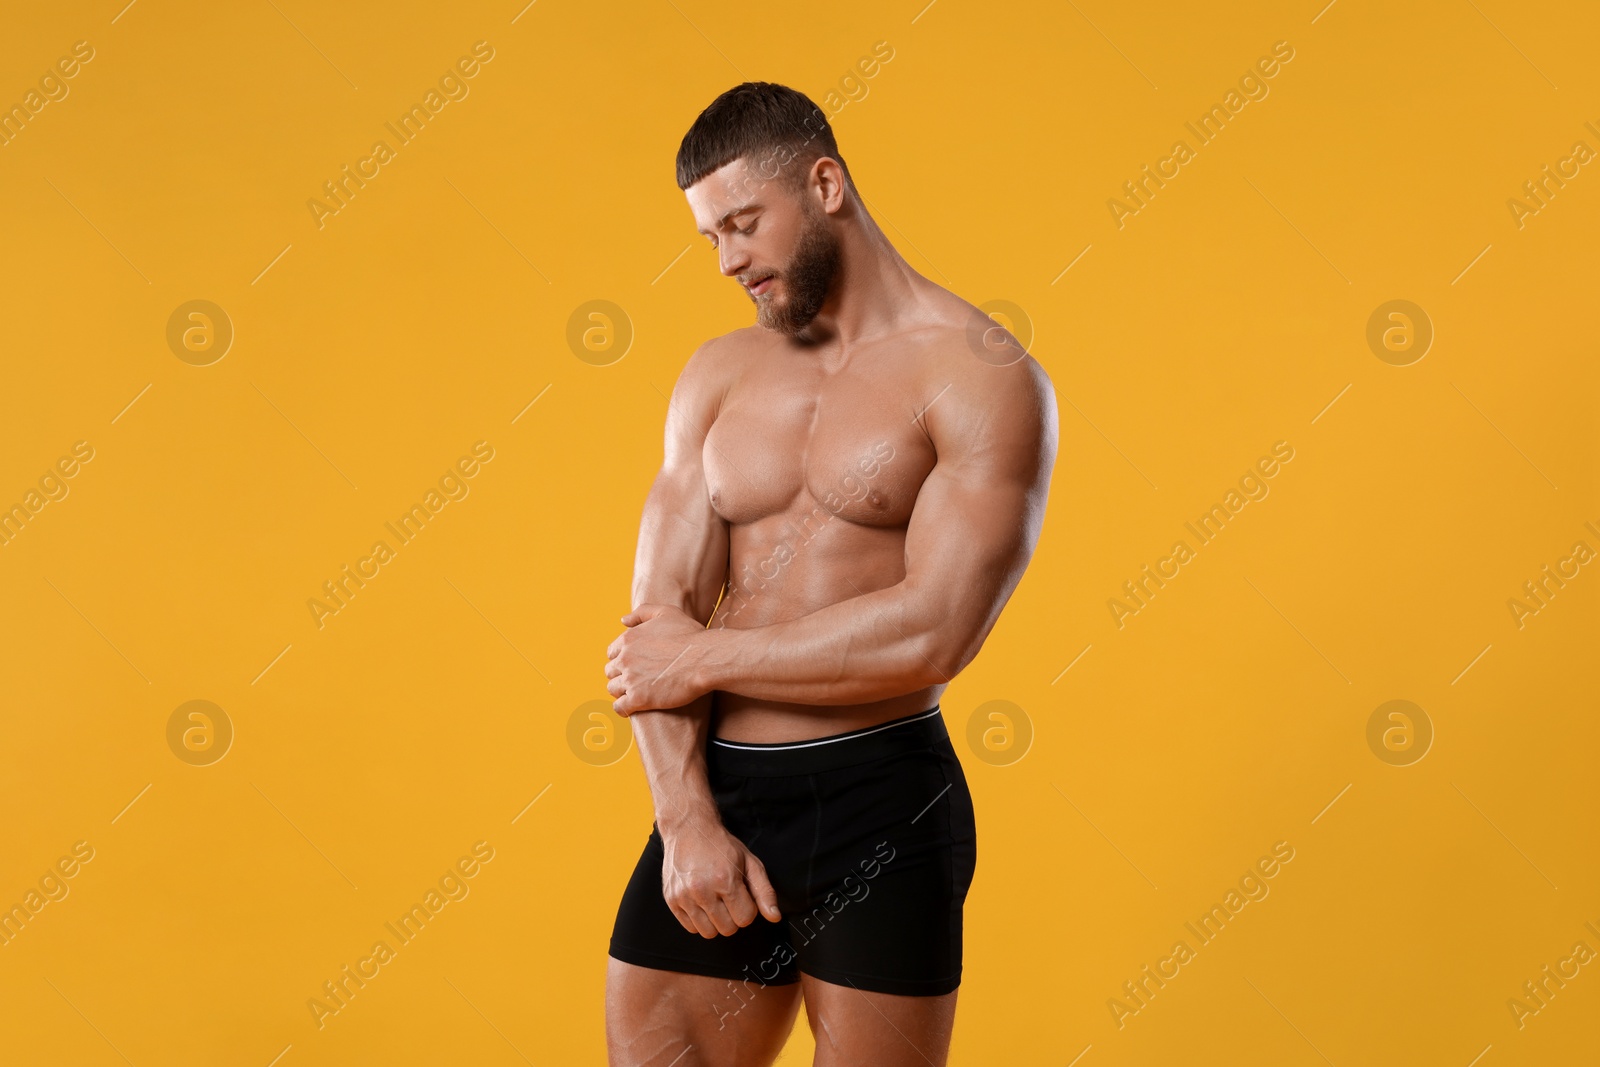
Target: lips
x,y
761,286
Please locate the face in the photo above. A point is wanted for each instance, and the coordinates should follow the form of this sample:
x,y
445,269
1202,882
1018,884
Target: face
x,y
775,241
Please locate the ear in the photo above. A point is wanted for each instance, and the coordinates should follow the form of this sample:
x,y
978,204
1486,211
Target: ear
x,y
827,183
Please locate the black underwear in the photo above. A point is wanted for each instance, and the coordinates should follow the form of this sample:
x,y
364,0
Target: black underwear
x,y
869,839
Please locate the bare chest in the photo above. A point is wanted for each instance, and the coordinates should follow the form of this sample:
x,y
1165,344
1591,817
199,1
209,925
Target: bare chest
x,y
847,444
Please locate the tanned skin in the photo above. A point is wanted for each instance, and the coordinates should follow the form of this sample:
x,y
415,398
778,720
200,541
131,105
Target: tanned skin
x,y
869,486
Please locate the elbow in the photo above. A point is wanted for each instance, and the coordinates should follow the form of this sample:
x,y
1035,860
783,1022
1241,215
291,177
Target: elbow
x,y
943,635
941,656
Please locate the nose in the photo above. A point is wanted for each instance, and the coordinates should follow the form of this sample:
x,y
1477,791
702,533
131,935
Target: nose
x,y
730,260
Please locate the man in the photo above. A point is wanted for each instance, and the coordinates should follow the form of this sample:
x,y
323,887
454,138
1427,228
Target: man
x,y
851,490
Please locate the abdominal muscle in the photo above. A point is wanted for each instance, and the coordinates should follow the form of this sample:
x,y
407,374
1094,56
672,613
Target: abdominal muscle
x,y
781,571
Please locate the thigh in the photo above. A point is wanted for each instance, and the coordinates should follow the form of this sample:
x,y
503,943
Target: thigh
x,y
855,1026
657,1018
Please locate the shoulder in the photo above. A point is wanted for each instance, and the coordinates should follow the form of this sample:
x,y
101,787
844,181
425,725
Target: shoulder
x,y
707,374
717,362
733,346
993,389
986,406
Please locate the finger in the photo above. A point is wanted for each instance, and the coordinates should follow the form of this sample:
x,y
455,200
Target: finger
x,y
616,687
740,904
685,920
631,618
613,668
634,699
721,919
766,898
702,922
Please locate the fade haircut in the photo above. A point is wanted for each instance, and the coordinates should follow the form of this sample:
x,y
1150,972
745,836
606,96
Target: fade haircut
x,y
777,130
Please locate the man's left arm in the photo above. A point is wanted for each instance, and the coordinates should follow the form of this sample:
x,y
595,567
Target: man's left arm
x,y
971,534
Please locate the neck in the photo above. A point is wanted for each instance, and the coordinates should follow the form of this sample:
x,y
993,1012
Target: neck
x,y
872,289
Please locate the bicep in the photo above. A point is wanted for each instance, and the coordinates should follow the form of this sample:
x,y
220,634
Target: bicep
x,y
979,512
682,557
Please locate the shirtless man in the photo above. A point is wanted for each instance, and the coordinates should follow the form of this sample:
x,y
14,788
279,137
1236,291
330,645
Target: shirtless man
x,y
851,490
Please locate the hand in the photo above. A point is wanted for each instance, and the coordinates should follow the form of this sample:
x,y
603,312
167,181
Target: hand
x,y
648,664
712,883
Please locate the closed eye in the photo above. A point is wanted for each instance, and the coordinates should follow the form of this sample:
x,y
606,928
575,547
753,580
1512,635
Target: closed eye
x,y
746,232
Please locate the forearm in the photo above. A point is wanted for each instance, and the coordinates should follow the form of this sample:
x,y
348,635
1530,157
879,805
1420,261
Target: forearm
x,y
672,746
672,741
871,647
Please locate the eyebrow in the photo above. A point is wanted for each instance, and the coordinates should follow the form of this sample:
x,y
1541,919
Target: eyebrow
x,y
723,221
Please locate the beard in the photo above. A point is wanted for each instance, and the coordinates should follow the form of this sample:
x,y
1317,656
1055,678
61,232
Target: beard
x,y
806,280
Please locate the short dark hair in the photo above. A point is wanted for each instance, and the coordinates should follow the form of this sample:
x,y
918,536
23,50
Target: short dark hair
x,y
777,128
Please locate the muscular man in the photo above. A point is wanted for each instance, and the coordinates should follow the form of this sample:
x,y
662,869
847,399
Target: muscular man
x,y
850,492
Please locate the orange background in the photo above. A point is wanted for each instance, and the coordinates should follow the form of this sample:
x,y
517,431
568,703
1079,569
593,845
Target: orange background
x,y
368,355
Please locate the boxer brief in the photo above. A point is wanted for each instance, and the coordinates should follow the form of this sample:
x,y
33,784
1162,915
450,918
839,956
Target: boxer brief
x,y
869,839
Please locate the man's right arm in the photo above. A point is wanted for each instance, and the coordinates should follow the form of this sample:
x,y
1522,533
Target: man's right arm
x,y
710,879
